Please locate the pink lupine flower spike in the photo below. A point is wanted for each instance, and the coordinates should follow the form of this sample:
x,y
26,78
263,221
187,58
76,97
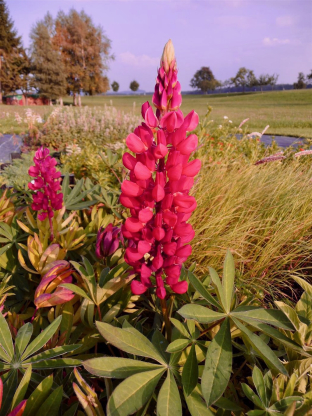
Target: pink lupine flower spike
x,y
46,185
157,190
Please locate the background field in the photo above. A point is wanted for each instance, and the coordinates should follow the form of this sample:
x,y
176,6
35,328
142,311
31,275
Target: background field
x,y
286,112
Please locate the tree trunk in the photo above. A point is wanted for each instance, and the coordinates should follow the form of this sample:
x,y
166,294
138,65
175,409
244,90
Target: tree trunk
x,y
79,100
74,99
61,101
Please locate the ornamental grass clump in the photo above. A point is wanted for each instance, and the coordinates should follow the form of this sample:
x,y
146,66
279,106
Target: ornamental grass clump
x,y
157,190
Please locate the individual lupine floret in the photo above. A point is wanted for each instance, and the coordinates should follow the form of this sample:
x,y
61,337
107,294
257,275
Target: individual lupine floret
x,y
46,185
157,191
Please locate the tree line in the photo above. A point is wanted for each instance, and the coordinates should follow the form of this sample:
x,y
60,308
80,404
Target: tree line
x,y
67,55
205,80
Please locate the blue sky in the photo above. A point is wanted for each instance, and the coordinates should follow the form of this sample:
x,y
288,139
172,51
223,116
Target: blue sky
x,y
268,36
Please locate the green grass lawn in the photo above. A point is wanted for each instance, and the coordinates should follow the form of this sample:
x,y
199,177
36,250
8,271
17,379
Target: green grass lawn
x,y
286,112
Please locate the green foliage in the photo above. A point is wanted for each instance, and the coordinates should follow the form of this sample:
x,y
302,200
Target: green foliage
x,y
204,80
115,86
134,86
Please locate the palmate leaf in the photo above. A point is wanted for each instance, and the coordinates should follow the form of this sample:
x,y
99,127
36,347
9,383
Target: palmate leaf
x,y
42,338
190,372
258,381
38,397
251,395
76,289
53,352
200,313
52,404
131,394
178,345
269,316
22,388
197,284
196,405
56,363
261,348
9,389
218,365
22,338
129,340
228,280
6,338
169,402
180,327
115,367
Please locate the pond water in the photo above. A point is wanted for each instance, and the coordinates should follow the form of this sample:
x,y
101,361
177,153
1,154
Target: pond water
x,y
10,144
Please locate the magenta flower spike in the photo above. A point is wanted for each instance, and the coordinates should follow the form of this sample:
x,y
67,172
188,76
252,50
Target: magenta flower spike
x,y
157,190
107,241
46,185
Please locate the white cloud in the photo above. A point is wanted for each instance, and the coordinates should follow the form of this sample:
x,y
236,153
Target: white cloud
x,y
129,58
275,41
283,21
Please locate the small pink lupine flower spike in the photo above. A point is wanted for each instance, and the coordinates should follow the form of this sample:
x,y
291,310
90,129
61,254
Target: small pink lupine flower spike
x,y
161,176
107,241
47,184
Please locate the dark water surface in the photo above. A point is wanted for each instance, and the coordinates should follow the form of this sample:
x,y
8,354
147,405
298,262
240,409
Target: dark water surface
x,y
10,144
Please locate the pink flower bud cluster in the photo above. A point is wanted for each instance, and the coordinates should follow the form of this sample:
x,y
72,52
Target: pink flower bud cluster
x,y
46,184
157,193
107,241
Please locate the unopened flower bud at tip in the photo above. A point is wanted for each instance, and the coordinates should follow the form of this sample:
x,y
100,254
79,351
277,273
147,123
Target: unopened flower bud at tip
x,y
168,56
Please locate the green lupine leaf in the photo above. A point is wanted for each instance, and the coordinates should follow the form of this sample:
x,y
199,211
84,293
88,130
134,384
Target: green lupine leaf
x,y
6,339
257,413
269,316
190,372
67,320
38,396
282,404
53,352
290,312
196,405
228,280
200,288
76,289
57,363
72,410
218,365
9,389
22,388
22,338
289,391
131,394
178,345
258,381
169,402
268,384
52,404
42,338
227,404
217,282
180,327
304,284
200,313
115,367
251,395
129,340
276,335
262,349
160,342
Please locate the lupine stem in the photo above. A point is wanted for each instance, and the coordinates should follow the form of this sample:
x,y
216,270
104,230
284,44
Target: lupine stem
x,y
166,318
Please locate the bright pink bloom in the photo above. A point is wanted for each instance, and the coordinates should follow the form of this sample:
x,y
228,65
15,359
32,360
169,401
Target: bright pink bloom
x,y
47,185
157,190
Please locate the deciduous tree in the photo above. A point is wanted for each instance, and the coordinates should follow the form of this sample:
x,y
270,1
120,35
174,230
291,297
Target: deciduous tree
x,y
84,51
115,86
47,68
301,82
134,86
244,78
204,80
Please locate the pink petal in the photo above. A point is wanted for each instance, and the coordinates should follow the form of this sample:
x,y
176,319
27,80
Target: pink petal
x,y
158,233
174,173
170,248
135,144
137,288
192,168
188,145
191,121
158,193
170,218
141,171
129,202
144,247
131,189
129,161
180,287
145,215
132,255
133,225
